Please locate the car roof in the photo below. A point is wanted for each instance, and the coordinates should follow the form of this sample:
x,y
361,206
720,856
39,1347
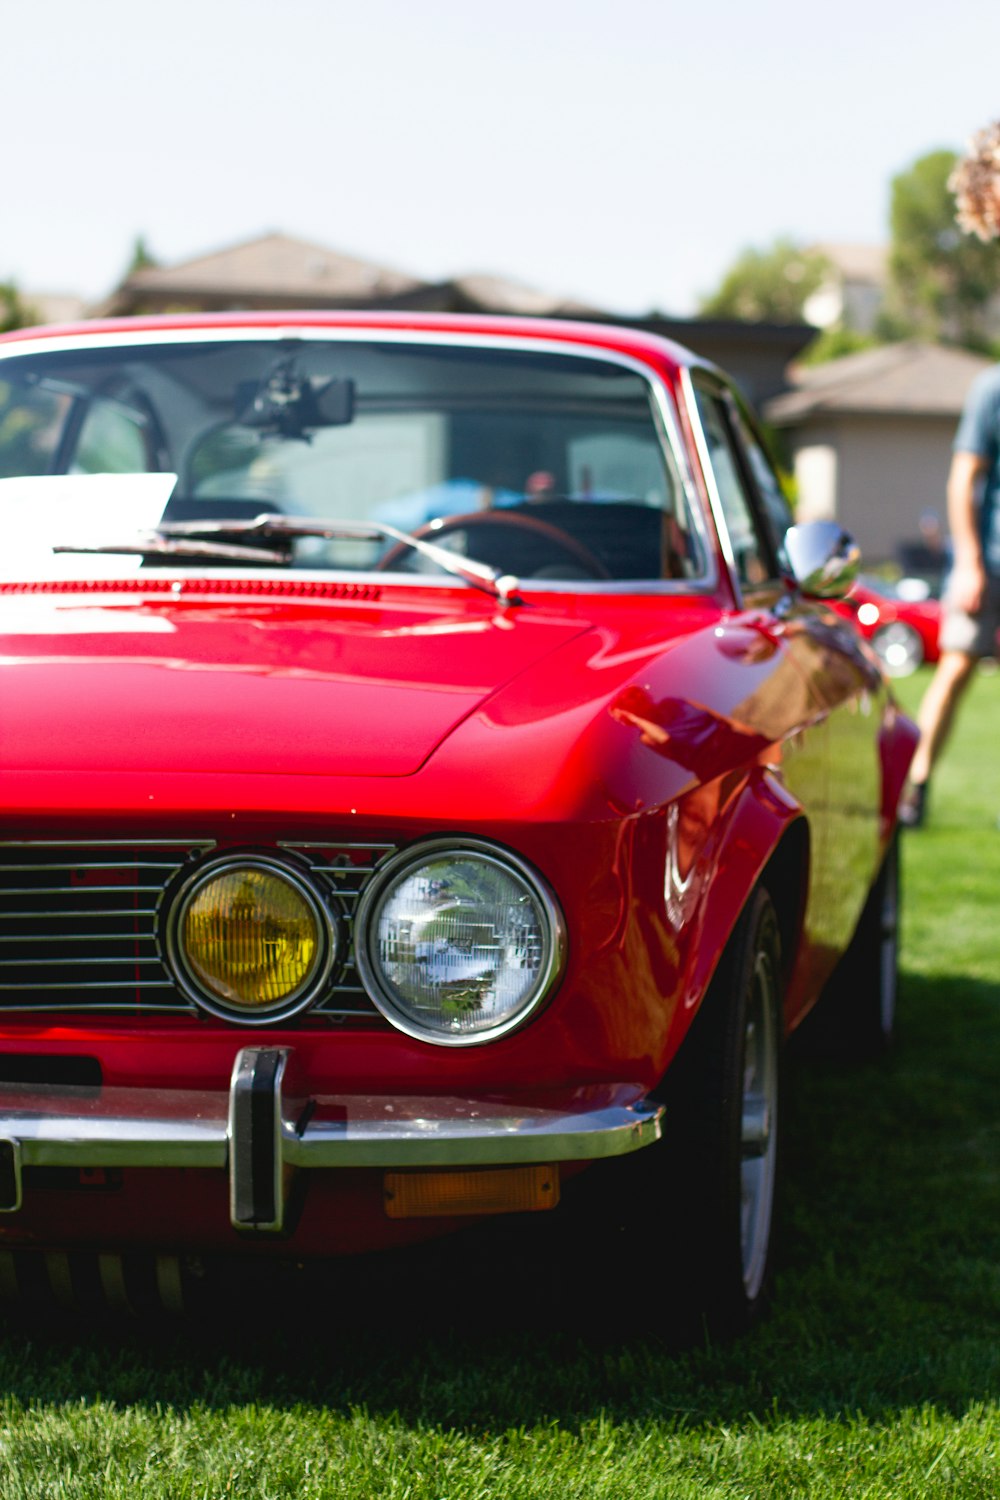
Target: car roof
x,y
616,338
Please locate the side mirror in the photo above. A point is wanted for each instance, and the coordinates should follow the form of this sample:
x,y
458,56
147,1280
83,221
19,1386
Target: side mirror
x,y
823,559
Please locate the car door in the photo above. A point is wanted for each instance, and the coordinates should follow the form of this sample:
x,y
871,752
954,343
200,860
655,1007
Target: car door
x,y
825,695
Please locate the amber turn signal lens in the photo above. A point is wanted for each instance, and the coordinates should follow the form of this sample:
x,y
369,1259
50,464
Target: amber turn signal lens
x,y
491,1190
250,938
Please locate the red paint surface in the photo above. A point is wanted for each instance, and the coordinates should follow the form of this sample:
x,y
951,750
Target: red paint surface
x,y
608,739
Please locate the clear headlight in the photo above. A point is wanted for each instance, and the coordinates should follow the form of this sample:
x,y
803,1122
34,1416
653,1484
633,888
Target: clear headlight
x,y
249,939
458,942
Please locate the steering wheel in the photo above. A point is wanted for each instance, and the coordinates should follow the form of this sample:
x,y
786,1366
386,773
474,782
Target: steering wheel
x,y
434,530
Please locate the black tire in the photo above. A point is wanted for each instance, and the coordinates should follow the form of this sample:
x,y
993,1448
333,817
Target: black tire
x,y
858,1008
715,1173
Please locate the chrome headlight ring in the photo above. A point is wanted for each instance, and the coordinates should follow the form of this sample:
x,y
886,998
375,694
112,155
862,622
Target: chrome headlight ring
x,y
329,944
547,941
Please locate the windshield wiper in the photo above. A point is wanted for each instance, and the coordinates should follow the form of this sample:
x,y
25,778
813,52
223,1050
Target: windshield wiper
x,y
271,524
156,544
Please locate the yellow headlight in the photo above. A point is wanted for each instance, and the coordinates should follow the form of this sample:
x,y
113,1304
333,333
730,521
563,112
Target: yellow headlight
x,y
251,938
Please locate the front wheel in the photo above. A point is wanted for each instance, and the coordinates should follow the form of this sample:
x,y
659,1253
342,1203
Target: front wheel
x,y
715,1174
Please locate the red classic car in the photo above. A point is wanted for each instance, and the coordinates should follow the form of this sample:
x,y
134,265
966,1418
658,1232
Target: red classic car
x,y
902,620
429,765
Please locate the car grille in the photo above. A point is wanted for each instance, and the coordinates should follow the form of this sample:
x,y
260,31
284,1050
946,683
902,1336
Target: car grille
x,y
79,923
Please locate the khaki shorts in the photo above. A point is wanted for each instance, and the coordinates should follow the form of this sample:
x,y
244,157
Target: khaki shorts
x,y
973,635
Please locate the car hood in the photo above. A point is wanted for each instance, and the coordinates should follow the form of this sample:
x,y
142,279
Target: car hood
x,y
313,687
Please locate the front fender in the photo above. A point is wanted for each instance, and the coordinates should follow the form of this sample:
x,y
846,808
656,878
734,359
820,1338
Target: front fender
x,y
705,899
897,741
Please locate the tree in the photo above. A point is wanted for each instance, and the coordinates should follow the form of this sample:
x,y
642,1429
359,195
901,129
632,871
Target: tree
x,y
834,343
14,311
768,286
140,258
940,281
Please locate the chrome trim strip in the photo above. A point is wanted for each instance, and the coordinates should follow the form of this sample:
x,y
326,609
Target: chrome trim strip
x,y
466,1137
80,937
76,916
96,890
69,986
108,961
65,1127
708,473
124,844
98,864
462,1133
334,844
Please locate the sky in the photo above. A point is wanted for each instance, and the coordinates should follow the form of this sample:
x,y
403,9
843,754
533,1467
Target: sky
x,y
621,152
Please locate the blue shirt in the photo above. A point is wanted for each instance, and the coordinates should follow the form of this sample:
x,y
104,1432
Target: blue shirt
x,y
979,433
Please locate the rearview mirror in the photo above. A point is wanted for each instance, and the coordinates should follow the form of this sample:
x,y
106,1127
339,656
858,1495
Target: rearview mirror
x,y
294,405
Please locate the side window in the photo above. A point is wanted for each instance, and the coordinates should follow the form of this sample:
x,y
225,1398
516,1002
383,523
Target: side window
x,y
777,511
112,440
751,551
31,424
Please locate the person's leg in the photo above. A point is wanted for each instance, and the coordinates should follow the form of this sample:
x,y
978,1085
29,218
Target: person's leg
x,y
952,676
937,710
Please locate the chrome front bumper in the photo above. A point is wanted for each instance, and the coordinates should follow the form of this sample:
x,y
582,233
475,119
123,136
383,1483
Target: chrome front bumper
x,y
264,1129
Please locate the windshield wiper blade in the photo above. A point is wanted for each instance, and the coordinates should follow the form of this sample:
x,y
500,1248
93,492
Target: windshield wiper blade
x,y
499,585
156,544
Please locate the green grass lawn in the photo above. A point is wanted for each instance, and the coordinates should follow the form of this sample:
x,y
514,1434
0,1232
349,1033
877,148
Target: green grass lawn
x,y
877,1374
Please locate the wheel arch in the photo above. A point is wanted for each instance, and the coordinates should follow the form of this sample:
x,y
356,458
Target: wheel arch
x,y
786,879
767,844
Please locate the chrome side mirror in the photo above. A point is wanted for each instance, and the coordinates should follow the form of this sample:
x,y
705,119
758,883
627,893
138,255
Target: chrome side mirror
x,y
823,559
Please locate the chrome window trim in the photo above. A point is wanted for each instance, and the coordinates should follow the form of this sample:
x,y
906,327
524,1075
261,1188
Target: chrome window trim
x,y
663,400
715,499
173,953
415,854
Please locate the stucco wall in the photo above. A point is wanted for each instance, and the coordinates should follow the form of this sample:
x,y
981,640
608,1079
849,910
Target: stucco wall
x,y
889,470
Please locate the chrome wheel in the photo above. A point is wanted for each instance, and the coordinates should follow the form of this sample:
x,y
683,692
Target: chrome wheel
x,y
899,648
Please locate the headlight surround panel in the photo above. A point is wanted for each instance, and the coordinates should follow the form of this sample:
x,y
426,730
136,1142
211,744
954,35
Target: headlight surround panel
x,y
458,941
250,938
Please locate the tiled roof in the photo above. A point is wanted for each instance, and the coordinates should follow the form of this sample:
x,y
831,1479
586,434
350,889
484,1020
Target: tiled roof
x,y
910,379
497,294
274,264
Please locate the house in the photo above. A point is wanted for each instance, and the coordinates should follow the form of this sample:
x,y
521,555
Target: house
x,y
55,307
853,291
870,436
269,271
280,271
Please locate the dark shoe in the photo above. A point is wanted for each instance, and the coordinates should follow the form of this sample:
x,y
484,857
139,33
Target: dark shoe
x,y
913,805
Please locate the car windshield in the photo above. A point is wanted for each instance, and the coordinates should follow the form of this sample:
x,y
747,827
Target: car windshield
x,y
548,466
